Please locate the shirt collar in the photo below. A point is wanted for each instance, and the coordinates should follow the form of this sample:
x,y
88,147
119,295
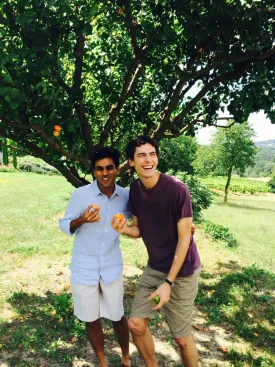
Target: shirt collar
x,y
98,192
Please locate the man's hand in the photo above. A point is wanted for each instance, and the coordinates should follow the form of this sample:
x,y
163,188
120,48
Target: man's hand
x,y
118,223
193,229
163,291
91,214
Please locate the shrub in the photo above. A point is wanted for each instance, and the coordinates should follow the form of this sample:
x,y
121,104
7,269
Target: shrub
x,y
219,233
200,195
271,184
35,165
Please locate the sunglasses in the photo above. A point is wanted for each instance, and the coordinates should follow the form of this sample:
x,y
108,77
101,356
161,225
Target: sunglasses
x,y
101,169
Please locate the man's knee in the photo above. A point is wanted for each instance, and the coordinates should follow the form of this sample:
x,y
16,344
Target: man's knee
x,y
184,343
137,326
92,324
120,322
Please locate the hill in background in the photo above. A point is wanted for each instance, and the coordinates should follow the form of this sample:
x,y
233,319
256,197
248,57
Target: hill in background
x,y
266,143
264,161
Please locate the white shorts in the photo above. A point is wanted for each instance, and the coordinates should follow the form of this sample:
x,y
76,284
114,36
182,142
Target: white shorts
x,y
94,301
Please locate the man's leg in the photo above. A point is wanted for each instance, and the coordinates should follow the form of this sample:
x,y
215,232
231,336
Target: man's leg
x,y
188,351
122,333
96,339
143,340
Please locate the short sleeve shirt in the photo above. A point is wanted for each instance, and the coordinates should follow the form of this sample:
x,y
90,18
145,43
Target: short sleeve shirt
x,y
158,211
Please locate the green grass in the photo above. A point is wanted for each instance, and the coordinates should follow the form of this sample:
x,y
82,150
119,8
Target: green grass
x,y
37,325
251,220
31,205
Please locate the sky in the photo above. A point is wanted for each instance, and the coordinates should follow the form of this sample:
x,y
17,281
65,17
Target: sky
x,y
262,126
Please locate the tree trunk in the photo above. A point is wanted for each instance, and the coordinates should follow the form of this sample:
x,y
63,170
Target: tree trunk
x,y
5,152
227,183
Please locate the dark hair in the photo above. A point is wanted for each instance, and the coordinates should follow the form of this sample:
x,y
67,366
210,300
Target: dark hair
x,y
105,152
137,142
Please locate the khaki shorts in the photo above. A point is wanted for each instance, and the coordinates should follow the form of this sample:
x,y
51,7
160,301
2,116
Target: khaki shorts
x,y
178,310
94,301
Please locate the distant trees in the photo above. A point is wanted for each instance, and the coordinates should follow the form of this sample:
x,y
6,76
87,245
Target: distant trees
x,y
231,149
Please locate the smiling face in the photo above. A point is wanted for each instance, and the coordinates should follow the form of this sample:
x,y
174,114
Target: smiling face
x,y
105,173
145,161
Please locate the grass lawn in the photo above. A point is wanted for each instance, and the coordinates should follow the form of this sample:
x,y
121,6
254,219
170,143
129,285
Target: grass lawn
x,y
250,218
37,327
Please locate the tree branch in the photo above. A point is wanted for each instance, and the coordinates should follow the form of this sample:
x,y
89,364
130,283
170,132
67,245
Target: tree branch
x,y
60,81
130,82
224,126
55,146
15,148
132,29
40,153
219,79
77,93
248,56
262,10
160,131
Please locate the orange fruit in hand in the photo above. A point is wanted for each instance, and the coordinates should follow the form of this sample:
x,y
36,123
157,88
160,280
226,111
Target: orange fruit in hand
x,y
119,216
57,128
95,206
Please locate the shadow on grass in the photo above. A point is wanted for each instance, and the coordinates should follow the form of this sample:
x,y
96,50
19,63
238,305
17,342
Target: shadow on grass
x,y
243,300
46,332
247,207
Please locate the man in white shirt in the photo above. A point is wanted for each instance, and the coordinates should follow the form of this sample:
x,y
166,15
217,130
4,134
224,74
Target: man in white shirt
x,y
96,266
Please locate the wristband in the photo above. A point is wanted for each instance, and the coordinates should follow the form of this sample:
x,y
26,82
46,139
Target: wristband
x,y
169,282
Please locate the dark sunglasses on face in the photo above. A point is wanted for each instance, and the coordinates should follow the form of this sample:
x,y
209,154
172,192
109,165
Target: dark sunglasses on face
x,y
108,168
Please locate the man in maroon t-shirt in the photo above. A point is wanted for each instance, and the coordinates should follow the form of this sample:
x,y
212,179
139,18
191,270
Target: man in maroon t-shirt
x,y
162,216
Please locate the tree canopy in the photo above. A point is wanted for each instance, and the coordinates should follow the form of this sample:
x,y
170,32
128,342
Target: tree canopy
x,y
177,155
105,71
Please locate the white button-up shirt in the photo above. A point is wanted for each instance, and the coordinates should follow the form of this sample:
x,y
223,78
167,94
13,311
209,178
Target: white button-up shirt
x,y
96,251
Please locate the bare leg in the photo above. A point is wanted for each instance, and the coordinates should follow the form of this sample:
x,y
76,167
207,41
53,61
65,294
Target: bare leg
x,y
122,333
188,351
96,339
143,340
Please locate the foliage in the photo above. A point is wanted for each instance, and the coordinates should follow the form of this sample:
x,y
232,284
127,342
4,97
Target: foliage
x,y
107,70
201,197
219,233
177,154
238,184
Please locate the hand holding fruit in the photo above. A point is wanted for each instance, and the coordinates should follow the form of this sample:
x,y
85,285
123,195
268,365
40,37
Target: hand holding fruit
x,y
91,214
160,296
119,222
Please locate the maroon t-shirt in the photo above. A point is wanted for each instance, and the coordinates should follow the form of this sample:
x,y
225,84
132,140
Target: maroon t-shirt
x,y
158,211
